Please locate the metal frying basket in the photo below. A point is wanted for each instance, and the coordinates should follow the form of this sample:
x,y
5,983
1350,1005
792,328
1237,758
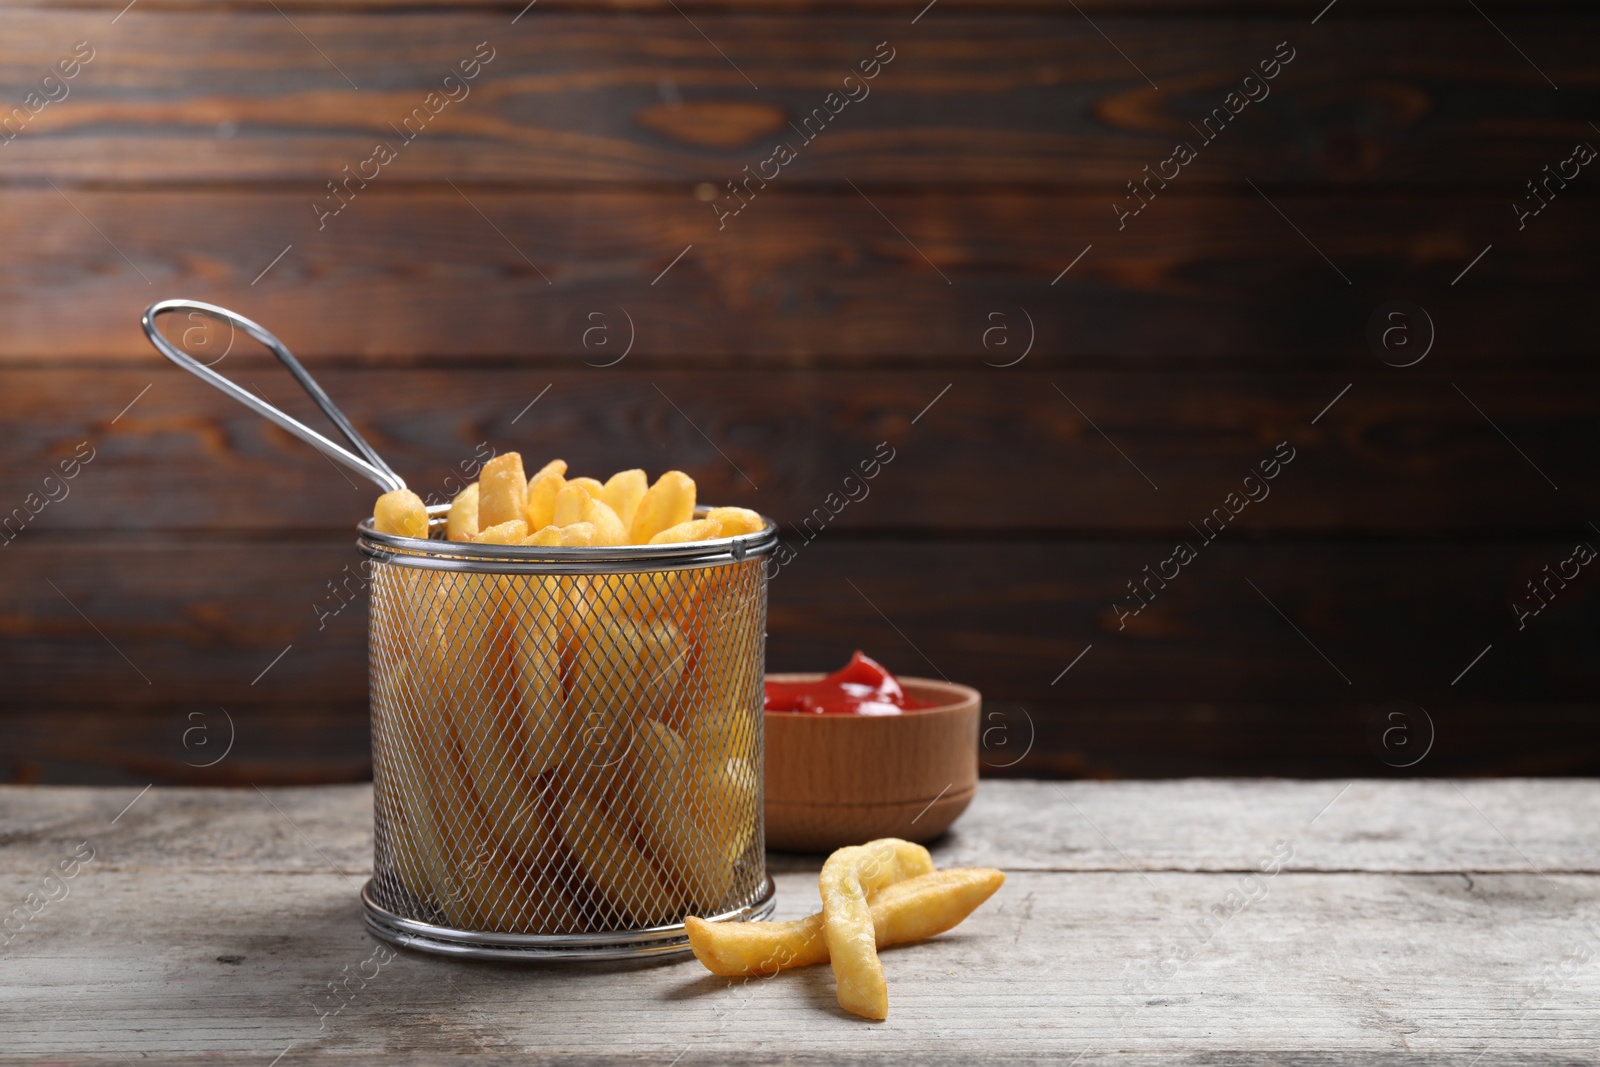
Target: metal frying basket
x,y
566,742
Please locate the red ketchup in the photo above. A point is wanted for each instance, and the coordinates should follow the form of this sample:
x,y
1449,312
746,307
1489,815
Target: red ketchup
x,y
863,687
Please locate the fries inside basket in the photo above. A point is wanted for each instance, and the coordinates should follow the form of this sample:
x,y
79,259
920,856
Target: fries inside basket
x,y
567,753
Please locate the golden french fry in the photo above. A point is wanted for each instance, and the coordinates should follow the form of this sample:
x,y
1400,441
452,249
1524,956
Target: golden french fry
x,y
435,776
664,779
555,466
667,503
570,504
506,533
411,834
693,530
608,528
729,809
614,864
402,513
912,910
542,491
490,807
716,732
462,521
737,521
545,728
578,534
546,536
503,491
623,491
848,876
591,484
621,671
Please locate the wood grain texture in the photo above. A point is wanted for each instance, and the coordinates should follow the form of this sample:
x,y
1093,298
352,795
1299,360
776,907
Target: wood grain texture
x,y
1195,825
778,351
1210,674
405,276
969,97
1003,451
205,618
1284,8
208,925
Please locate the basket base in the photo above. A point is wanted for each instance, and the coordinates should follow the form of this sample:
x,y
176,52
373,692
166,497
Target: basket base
x,y
476,944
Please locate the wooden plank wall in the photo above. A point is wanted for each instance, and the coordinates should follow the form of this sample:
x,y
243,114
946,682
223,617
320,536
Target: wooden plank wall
x,y
942,267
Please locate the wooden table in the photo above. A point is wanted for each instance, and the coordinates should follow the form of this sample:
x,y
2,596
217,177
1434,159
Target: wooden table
x,y
1433,922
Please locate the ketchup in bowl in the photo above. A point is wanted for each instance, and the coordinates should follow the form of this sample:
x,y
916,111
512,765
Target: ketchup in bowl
x,y
862,687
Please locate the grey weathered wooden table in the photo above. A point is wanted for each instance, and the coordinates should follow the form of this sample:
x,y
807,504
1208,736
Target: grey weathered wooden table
x,y
1415,922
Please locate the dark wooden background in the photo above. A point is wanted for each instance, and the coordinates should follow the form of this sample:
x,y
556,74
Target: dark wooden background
x,y
137,616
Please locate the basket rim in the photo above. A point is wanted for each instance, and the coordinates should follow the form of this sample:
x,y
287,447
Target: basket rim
x,y
538,559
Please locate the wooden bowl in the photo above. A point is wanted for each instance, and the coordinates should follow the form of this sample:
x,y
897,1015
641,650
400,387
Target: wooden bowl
x,y
834,780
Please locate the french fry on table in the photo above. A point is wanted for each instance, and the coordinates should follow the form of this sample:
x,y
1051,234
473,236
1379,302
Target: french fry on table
x,y
848,876
591,485
912,910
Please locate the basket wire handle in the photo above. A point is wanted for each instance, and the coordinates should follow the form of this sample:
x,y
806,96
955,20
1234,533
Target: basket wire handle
x,y
371,467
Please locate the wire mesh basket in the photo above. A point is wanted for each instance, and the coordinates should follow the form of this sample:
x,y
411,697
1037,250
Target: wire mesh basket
x,y
566,744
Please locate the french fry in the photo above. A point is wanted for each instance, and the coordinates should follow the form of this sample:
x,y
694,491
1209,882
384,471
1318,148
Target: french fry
x,y
693,530
547,536
503,491
489,810
620,671
728,810
848,876
623,491
402,513
664,777
666,503
737,522
591,484
912,910
578,535
462,521
608,528
542,491
506,533
570,504
431,777
546,730
717,634
614,864
412,839
715,731
555,466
